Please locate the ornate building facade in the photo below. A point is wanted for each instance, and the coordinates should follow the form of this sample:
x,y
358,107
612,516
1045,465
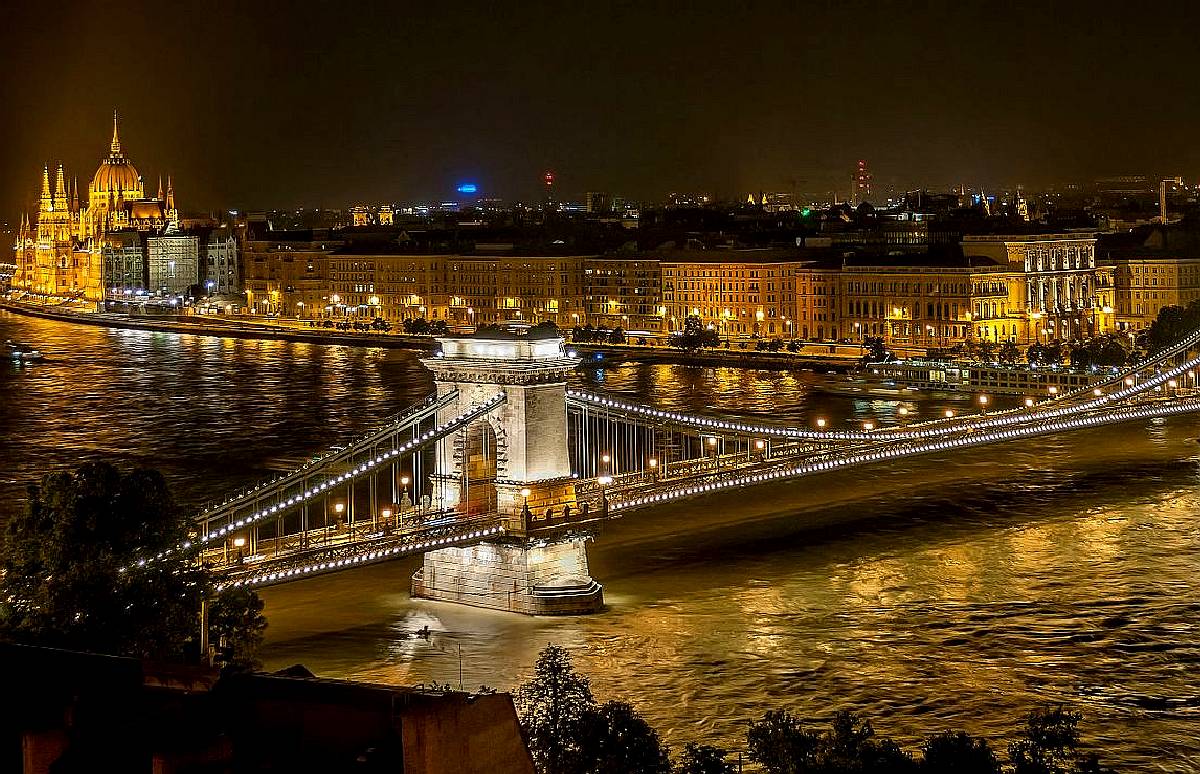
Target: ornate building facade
x,y
61,250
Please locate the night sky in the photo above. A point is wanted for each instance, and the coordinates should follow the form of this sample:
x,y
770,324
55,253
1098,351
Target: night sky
x,y
255,104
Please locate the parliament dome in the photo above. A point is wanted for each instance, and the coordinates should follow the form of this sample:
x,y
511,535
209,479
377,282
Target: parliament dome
x,y
117,173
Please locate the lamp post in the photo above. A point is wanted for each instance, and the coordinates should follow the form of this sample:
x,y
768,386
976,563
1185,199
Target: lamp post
x,y
653,463
712,442
405,502
604,481
239,543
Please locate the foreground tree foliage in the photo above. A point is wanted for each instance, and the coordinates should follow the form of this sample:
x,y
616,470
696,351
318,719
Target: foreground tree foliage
x,y
1049,744
71,573
570,733
957,752
704,759
237,626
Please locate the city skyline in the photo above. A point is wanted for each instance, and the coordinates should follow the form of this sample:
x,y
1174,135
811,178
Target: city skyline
x,y
255,111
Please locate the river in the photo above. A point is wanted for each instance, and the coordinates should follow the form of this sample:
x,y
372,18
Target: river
x,y
951,592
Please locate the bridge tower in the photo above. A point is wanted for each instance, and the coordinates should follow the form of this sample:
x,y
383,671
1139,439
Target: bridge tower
x,y
514,462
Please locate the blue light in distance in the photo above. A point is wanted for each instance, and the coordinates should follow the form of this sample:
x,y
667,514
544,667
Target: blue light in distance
x,y
468,188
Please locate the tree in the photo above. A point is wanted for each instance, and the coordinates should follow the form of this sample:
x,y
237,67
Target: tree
x,y
1049,744
1009,353
780,744
439,328
695,336
614,739
236,624
1172,324
703,759
72,577
850,745
987,351
956,752
876,350
617,336
551,706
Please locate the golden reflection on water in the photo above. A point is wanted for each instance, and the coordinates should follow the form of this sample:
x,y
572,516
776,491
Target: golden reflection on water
x,y
970,587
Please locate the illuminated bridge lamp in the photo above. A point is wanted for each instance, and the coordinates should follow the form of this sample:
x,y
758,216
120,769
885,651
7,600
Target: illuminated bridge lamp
x,y
1053,390
1128,381
712,440
238,542
868,425
338,508
760,444
1171,383
1097,392
653,462
525,497
983,400
1029,403
385,513
820,422
949,413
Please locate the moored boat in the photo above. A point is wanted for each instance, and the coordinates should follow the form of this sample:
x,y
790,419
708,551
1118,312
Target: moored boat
x,y
23,353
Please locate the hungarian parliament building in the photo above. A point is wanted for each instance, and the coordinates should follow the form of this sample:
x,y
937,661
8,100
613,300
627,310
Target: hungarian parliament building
x,y
115,237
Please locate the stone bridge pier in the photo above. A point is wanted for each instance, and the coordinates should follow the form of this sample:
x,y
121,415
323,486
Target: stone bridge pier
x,y
514,464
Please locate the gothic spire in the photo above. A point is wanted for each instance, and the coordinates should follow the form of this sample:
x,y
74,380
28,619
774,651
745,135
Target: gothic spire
x,y
46,182
170,193
160,188
60,184
116,140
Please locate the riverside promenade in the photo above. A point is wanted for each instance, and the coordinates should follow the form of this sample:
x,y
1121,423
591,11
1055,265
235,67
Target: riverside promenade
x,y
814,356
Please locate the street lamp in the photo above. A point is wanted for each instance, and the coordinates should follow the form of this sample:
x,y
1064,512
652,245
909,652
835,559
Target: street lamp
x,y
1029,403
820,422
949,414
404,501
868,425
653,463
983,402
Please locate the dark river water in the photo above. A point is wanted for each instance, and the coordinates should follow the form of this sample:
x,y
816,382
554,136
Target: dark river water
x,y
950,592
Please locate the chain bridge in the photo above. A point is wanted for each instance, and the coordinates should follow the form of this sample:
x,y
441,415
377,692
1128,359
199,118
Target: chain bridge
x,y
502,475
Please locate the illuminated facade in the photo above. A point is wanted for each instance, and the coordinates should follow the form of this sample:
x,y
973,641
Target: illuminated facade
x,y
817,301
1144,285
1056,288
738,293
62,251
926,305
624,292
287,272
